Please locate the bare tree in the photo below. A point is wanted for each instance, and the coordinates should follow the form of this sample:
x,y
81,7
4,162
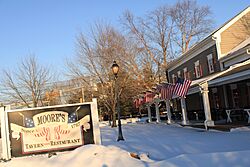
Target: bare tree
x,y
27,83
143,55
163,32
191,23
94,58
153,34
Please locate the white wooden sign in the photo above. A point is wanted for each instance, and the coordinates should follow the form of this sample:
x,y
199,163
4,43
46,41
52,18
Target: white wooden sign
x,y
45,129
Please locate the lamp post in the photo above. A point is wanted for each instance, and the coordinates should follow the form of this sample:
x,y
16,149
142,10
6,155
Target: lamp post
x,y
115,69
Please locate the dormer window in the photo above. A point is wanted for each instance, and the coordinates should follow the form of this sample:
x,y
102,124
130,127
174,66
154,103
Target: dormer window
x,y
210,63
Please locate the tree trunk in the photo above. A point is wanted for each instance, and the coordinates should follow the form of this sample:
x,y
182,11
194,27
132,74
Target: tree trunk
x,y
114,116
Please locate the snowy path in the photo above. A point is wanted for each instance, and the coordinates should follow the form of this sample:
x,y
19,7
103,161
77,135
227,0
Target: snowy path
x,y
164,141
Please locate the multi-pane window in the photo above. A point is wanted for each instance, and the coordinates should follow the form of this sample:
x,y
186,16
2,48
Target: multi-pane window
x,y
248,94
235,95
173,78
210,63
215,99
197,68
185,73
179,74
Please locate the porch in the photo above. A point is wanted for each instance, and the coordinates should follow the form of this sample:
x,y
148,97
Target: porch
x,y
219,99
228,97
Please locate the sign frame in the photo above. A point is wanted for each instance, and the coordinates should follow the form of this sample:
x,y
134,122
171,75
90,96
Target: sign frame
x,y
5,131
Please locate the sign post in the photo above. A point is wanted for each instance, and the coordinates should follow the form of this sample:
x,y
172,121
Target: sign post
x,y
6,155
95,119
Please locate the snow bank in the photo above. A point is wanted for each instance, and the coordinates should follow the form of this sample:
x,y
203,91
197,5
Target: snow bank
x,y
240,129
110,156
123,122
223,159
89,155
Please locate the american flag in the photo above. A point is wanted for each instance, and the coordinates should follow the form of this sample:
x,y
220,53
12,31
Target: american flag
x,y
167,91
181,87
149,96
29,123
72,117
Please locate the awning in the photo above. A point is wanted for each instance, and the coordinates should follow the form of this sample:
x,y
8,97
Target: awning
x,y
195,85
234,73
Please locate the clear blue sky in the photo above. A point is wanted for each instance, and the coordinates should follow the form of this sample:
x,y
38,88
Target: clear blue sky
x,y
48,28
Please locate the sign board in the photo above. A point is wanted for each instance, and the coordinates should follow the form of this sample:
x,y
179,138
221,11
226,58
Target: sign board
x,y
54,128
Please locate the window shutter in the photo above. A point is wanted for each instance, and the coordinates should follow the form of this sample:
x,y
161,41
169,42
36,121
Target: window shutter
x,y
201,72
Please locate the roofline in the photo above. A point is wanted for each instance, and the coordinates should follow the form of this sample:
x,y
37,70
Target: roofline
x,y
247,62
189,52
231,21
213,35
243,50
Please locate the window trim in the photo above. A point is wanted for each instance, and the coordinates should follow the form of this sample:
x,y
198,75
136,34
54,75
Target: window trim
x,y
173,78
185,73
197,67
179,74
210,63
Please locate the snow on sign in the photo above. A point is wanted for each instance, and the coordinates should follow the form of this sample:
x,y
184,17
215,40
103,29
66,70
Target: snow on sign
x,y
46,129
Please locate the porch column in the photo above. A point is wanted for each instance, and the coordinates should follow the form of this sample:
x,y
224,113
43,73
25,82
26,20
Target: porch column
x,y
184,112
168,112
157,102
149,113
206,104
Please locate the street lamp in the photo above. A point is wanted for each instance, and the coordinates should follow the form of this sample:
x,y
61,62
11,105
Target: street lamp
x,y
115,69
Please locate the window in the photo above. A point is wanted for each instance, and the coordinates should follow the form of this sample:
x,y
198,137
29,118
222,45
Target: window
x,y
173,78
185,73
210,63
197,69
215,98
248,94
235,95
179,74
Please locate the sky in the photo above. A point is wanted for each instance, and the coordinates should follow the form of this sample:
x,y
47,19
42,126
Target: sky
x,y
48,28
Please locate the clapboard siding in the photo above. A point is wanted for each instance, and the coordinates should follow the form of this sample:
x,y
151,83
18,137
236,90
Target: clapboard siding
x,y
234,35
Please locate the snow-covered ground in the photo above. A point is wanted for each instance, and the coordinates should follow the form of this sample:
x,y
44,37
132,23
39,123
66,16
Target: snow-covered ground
x,y
156,145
